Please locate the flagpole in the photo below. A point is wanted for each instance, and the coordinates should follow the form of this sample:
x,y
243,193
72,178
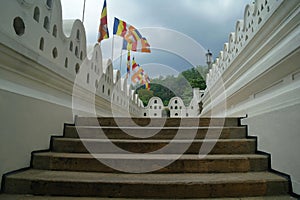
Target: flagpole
x,y
83,11
130,75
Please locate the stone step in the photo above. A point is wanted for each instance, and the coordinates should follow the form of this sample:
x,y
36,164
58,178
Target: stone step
x,y
180,163
169,186
154,132
157,122
220,146
34,197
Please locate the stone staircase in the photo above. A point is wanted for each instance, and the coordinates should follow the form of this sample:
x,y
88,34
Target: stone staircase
x,y
231,169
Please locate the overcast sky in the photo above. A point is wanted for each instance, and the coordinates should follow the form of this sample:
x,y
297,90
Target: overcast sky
x,y
179,31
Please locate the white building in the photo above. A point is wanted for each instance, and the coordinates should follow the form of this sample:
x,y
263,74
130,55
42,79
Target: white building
x,y
154,108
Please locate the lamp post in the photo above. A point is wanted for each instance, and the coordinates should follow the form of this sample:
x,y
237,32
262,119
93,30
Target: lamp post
x,y
208,59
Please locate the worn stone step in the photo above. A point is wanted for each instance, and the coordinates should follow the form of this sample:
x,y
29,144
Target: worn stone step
x,y
34,197
157,122
220,146
179,163
169,186
154,132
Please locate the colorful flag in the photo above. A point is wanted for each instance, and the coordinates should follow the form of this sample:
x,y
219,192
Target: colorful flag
x,y
137,77
134,64
103,29
128,32
147,86
128,64
141,45
141,77
145,46
145,82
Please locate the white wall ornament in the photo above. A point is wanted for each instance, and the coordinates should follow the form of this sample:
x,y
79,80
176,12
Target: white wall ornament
x,y
255,77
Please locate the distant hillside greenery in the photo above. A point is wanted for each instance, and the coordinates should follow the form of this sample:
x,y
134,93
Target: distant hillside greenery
x,y
171,86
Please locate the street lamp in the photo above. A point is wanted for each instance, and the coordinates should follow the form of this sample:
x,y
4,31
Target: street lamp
x,y
208,59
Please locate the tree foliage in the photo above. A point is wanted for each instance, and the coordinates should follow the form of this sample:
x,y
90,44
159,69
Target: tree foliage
x,y
171,86
145,95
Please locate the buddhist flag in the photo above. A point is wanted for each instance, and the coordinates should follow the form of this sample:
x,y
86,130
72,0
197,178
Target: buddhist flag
x,y
137,76
141,45
141,77
145,46
103,29
125,30
147,80
134,64
147,86
128,64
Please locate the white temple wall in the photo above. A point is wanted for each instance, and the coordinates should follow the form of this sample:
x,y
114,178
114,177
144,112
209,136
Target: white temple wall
x,y
41,57
257,75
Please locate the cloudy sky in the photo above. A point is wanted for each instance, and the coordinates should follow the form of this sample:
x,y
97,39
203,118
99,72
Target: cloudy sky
x,y
179,31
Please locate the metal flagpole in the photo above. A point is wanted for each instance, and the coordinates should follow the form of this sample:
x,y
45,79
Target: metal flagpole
x,y
83,11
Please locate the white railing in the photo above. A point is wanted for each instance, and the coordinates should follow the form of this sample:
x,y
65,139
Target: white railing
x,y
255,17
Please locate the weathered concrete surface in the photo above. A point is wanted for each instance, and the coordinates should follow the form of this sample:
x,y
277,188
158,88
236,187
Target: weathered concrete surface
x,y
190,185
169,122
231,169
188,163
72,131
220,146
30,197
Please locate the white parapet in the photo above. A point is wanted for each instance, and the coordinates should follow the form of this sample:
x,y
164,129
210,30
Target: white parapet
x,y
35,30
257,75
46,78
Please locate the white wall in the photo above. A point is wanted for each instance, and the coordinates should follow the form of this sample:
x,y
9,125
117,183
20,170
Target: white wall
x,y
177,107
26,125
278,134
260,77
38,86
154,108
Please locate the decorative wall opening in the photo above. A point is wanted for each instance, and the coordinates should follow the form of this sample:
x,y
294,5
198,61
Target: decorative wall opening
x,y
36,14
54,32
78,35
49,3
71,46
46,23
54,53
77,68
19,26
42,43
259,20
88,78
76,52
66,63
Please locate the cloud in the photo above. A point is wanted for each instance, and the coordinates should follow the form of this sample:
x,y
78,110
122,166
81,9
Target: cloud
x,y
208,22
154,70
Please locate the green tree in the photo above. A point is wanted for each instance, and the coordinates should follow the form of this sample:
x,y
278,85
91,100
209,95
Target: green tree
x,y
145,95
171,86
